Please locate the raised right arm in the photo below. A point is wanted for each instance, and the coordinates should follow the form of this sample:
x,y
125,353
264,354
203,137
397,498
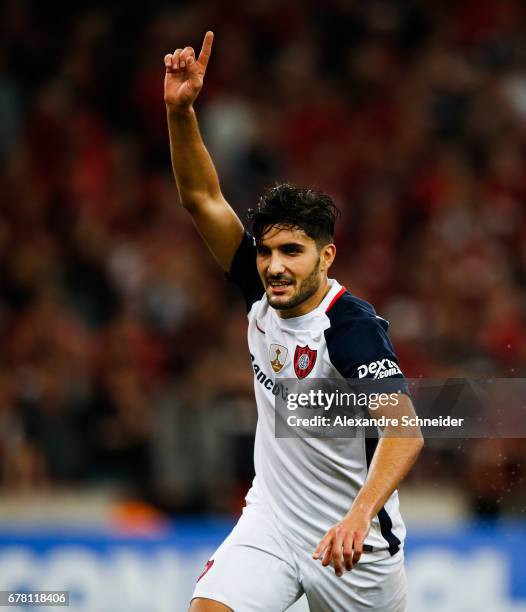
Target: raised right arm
x,y
194,171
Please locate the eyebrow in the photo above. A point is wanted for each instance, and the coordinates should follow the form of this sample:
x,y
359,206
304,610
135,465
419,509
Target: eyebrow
x,y
287,245
295,245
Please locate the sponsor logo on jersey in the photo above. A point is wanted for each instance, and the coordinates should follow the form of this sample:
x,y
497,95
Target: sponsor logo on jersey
x,y
304,360
276,388
383,368
207,567
278,356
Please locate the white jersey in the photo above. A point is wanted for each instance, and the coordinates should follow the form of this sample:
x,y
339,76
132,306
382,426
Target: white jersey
x,y
309,484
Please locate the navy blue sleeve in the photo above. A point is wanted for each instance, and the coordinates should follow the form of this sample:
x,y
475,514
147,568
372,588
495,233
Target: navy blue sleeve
x,y
243,271
360,349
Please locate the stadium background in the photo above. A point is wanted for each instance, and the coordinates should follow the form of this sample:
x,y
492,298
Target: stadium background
x,y
126,407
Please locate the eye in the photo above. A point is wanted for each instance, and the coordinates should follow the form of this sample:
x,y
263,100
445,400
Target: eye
x,y
262,250
291,250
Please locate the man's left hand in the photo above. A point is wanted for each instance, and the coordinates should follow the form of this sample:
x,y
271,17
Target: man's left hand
x,y
343,543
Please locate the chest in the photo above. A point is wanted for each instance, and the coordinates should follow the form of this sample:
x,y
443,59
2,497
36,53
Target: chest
x,y
293,353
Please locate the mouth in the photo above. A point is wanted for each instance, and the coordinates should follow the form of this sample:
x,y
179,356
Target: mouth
x,y
279,287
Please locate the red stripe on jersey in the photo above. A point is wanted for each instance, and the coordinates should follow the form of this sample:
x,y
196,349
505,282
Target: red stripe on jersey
x,y
336,298
207,567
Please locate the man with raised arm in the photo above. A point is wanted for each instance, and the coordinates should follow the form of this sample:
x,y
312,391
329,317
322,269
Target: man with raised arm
x,y
313,499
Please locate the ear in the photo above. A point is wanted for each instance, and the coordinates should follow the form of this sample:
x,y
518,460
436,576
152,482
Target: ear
x,y
327,255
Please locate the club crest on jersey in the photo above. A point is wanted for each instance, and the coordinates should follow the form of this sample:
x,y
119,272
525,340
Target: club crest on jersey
x,y
304,360
278,356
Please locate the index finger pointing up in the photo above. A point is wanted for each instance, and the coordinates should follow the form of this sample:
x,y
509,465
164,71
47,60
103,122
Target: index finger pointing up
x,y
206,49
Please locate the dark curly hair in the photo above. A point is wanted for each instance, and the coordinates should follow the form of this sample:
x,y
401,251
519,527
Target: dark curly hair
x,y
287,205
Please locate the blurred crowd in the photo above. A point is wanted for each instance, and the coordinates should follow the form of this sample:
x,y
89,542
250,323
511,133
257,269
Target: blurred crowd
x,y
124,359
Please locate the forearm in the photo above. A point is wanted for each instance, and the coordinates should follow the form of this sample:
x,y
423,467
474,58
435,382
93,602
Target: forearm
x,y
194,171
343,543
391,462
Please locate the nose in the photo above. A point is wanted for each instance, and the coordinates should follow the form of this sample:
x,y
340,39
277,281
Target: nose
x,y
275,266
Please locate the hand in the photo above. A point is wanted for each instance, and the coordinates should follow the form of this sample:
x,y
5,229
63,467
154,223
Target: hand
x,y
343,543
184,74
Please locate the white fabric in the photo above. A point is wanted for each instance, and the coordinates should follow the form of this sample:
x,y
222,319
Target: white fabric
x,y
255,570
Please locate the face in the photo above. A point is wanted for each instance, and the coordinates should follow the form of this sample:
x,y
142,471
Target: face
x,y
293,270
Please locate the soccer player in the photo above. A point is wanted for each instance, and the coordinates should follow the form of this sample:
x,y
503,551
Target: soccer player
x,y
314,502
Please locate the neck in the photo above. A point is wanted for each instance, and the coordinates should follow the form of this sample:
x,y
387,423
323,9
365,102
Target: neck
x,y
309,304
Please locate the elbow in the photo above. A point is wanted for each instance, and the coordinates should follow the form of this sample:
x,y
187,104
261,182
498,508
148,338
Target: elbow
x,y
191,205
192,202
419,444
196,201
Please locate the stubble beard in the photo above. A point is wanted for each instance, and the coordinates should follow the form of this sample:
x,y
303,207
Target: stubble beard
x,y
307,289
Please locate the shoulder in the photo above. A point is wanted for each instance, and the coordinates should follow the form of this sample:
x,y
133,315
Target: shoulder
x,y
243,271
351,311
356,335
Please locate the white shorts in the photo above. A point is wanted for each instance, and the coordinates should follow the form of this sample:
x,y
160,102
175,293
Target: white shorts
x,y
255,570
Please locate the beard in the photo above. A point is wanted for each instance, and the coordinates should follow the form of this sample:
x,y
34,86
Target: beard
x,y
307,289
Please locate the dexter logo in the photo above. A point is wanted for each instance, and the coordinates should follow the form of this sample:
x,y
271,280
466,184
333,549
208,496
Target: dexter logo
x,y
379,369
